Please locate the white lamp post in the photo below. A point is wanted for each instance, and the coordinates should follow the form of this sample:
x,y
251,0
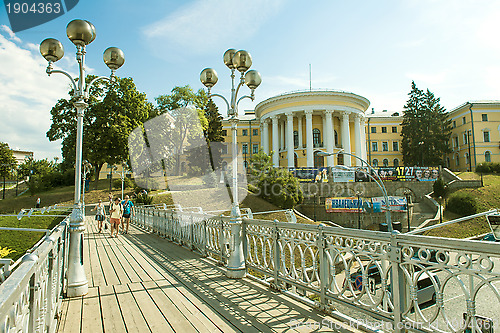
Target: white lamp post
x,y
122,174
81,33
241,61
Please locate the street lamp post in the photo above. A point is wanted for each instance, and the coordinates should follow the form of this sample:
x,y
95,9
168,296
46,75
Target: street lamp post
x,y
440,209
377,180
86,170
407,195
81,33
241,61
122,174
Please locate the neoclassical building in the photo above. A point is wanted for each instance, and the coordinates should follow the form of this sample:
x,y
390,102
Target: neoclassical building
x,y
296,126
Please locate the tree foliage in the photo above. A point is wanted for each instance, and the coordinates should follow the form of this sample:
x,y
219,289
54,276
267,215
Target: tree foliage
x,y
7,160
275,185
113,112
188,124
425,129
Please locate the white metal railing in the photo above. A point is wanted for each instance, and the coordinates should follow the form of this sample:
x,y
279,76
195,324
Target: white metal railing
x,y
372,277
31,294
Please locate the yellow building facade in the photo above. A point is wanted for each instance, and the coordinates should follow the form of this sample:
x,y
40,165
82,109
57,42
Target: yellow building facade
x,y
295,126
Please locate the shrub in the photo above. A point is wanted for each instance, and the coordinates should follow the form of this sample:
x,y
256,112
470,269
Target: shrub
x,y
144,199
488,167
127,183
462,203
280,188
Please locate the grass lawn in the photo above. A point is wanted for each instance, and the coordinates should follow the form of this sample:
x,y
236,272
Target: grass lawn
x,y
21,241
487,198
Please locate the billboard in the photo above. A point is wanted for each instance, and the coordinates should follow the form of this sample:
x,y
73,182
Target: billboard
x,y
345,205
343,176
397,204
310,175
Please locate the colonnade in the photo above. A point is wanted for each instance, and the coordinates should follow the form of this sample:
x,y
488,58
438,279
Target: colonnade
x,y
282,134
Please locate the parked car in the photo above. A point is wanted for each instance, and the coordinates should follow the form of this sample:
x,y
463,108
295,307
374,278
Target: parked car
x,y
426,291
371,272
490,238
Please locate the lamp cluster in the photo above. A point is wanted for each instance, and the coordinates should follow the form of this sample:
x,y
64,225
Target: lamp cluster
x,y
81,33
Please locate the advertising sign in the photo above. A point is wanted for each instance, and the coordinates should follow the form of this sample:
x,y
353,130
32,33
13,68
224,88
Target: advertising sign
x,y
343,176
494,221
311,175
387,173
344,205
397,204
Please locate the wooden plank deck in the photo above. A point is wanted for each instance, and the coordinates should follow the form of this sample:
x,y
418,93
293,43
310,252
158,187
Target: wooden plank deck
x,y
143,283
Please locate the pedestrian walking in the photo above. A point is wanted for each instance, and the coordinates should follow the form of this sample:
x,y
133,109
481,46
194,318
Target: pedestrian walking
x,y
38,201
116,212
100,215
128,210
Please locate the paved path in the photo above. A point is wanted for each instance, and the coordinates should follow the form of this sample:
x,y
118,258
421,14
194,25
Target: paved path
x,y
142,283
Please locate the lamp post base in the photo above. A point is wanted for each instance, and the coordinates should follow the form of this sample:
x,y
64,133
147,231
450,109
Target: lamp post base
x,y
77,281
236,262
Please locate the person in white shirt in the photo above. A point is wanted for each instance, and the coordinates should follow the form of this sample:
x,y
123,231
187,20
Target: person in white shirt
x,y
115,216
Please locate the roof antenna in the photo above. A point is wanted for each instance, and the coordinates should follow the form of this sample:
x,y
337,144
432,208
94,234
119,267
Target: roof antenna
x,y
310,84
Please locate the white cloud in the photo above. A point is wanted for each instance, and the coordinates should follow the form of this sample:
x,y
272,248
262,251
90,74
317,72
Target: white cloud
x,y
428,79
27,95
207,25
11,34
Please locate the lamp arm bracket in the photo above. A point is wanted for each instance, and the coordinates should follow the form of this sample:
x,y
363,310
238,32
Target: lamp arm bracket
x,y
87,90
246,96
225,100
242,82
52,71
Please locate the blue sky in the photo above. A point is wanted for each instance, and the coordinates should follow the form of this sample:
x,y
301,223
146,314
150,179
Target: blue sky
x,y
371,48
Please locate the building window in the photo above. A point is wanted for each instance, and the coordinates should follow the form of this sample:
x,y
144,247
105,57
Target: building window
x,y
484,117
244,148
487,156
457,160
463,121
385,146
373,129
296,138
455,141
467,158
244,132
375,162
336,138
454,124
374,146
395,146
255,132
384,129
465,138
385,162
316,138
394,129
224,132
255,149
396,162
224,149
486,136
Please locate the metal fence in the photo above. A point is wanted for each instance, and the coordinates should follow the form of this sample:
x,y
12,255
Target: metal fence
x,y
31,294
392,282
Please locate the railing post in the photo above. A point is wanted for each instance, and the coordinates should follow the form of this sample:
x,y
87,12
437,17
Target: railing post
x,y
398,283
222,244
191,234
277,258
205,238
323,268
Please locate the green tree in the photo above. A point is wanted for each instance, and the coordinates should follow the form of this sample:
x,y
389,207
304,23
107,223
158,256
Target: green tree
x,y
425,129
188,124
7,163
113,112
209,157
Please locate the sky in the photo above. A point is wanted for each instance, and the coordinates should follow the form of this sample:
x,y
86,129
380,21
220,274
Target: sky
x,y
370,48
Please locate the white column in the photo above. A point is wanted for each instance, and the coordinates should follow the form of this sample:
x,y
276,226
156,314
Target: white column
x,y
323,134
289,139
275,134
330,141
299,122
357,138
363,138
265,135
261,135
309,139
282,146
346,137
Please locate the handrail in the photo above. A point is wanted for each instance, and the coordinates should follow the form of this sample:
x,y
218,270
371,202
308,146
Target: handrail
x,y
330,265
31,294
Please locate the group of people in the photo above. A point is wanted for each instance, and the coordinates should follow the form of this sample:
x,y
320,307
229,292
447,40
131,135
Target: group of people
x,y
119,213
